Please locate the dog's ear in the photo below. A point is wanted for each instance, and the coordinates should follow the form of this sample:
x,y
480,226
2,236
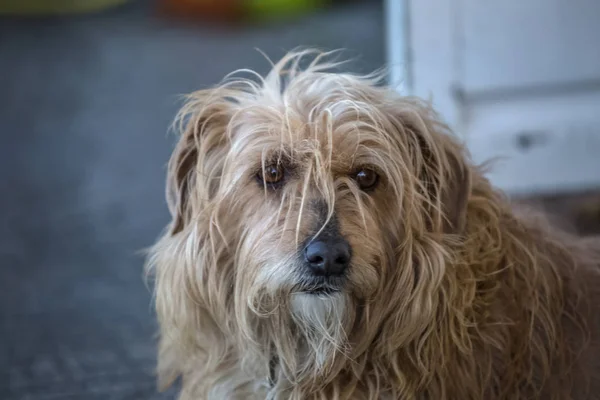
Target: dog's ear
x,y
455,192
444,175
196,162
180,180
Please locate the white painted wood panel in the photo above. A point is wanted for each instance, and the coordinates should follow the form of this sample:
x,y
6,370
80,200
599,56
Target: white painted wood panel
x,y
518,80
545,144
524,43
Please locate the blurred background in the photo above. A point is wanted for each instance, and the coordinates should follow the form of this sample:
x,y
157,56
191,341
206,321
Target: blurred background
x,y
88,89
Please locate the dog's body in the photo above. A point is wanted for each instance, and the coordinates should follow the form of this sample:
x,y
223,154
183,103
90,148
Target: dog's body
x,y
331,240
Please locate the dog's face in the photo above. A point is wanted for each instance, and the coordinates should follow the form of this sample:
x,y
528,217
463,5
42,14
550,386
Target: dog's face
x,y
297,209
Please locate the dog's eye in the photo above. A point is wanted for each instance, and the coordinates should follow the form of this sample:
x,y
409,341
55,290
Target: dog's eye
x,y
366,179
271,174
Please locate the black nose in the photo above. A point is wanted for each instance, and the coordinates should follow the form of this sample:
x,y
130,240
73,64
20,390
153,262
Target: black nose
x,y
328,257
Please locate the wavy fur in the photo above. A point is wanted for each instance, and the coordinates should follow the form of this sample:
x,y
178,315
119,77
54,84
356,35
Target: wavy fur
x,y
451,293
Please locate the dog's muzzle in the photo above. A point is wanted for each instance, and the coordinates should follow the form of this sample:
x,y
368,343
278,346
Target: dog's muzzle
x,y
326,261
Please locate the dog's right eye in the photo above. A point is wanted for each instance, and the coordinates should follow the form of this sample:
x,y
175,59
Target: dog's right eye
x,y
366,179
271,174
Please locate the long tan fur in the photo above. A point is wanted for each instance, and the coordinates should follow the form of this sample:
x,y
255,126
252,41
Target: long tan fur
x,y
451,293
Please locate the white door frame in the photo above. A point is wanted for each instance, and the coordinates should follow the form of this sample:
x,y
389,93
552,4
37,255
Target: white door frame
x,y
545,144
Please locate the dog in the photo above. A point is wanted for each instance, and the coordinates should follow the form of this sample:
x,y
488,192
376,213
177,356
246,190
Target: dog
x,y
332,239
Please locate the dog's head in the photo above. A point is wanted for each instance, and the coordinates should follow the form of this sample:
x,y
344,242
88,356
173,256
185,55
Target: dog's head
x,y
309,214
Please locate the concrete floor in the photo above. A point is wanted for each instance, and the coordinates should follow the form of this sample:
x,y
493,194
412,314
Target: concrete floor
x,y
85,103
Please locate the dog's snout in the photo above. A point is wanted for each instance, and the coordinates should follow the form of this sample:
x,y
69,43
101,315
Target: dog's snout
x,y
328,257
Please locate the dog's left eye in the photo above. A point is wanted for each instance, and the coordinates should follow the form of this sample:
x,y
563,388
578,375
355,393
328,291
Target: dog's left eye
x,y
271,174
366,179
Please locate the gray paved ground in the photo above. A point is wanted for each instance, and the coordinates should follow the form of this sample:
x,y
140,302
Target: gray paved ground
x,y
84,107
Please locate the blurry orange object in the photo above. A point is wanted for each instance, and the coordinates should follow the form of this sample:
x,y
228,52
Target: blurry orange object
x,y
240,10
229,10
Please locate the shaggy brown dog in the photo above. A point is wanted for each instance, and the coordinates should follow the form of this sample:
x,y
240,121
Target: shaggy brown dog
x,y
331,240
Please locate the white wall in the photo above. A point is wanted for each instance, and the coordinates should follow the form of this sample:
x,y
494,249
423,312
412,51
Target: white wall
x,y
517,79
